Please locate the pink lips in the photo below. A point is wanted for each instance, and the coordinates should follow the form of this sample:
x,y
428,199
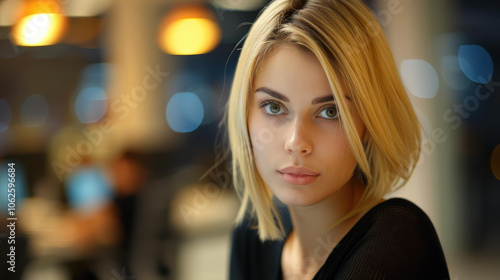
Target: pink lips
x,y
298,175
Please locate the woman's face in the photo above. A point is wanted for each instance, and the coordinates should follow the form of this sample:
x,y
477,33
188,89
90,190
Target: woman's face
x,y
299,145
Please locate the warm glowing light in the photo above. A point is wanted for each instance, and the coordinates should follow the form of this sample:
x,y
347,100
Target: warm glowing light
x,y
39,29
40,23
191,36
189,30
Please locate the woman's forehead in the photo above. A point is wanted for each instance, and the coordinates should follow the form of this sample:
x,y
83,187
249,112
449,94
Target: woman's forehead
x,y
292,69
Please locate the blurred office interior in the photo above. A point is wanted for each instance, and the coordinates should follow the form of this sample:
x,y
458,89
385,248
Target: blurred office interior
x,y
110,111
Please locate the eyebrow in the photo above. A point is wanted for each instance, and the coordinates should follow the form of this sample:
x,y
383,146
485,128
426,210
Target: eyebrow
x,y
281,97
273,93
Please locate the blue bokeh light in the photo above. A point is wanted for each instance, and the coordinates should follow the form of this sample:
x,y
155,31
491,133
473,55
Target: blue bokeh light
x,y
90,104
5,115
184,112
88,189
96,75
476,63
91,101
35,110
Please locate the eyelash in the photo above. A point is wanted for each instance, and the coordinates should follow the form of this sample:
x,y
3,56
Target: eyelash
x,y
270,101
328,106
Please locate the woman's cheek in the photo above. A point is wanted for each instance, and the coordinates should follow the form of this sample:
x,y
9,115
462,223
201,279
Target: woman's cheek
x,y
261,135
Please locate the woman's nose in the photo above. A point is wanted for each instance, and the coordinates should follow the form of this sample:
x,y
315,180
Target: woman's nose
x,y
298,140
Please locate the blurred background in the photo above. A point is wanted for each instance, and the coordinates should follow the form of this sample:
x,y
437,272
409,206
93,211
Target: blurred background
x,y
109,121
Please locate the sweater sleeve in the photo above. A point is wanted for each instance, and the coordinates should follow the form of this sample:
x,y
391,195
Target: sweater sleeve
x,y
400,242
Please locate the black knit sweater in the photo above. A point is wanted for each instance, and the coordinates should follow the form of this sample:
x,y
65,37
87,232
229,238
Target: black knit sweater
x,y
394,240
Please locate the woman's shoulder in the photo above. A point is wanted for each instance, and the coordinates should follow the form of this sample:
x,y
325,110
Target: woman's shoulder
x,y
397,221
395,239
399,209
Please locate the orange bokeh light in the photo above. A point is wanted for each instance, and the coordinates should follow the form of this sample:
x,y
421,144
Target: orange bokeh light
x,y
189,30
41,23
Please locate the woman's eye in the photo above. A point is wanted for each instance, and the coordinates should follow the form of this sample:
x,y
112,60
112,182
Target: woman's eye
x,y
273,108
329,113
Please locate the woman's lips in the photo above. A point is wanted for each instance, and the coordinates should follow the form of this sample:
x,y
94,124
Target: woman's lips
x,y
298,175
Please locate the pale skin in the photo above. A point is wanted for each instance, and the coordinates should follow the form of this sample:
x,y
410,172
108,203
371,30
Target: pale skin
x,y
293,123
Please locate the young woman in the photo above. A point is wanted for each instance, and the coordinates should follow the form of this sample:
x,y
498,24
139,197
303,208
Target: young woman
x,y
319,121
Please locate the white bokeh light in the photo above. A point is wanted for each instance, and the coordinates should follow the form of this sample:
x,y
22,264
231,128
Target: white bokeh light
x,y
90,104
420,78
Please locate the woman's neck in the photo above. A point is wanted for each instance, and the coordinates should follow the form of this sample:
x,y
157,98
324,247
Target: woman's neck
x,y
313,237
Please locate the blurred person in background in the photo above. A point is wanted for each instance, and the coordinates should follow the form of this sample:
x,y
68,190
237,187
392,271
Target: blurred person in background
x,y
128,177
94,215
319,118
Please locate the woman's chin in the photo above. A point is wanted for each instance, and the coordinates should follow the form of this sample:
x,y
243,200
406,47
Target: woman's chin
x,y
297,198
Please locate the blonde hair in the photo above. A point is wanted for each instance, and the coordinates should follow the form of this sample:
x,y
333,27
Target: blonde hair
x,y
355,55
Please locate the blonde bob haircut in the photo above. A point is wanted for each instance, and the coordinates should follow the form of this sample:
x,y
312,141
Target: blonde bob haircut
x,y
351,47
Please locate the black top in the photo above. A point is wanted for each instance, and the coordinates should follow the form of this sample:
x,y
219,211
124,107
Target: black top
x,y
394,240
